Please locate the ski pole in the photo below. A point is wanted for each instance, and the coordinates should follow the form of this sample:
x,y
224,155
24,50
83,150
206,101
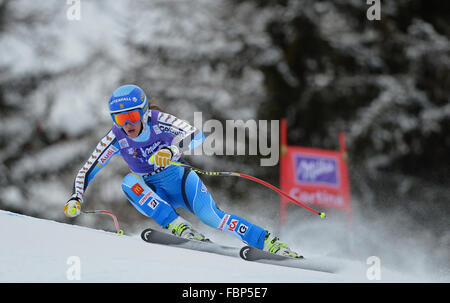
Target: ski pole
x,y
223,173
116,222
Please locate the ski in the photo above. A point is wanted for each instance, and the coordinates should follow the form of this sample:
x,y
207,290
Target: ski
x,y
250,253
247,253
151,235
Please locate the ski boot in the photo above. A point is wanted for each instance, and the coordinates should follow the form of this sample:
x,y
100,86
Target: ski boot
x,y
183,229
273,245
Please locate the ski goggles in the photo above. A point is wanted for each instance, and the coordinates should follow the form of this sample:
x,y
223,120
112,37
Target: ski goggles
x,y
131,117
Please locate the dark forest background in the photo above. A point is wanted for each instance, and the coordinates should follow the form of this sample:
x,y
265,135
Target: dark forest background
x,y
322,65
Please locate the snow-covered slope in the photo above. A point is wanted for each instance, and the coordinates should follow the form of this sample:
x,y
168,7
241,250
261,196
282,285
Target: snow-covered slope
x,y
37,250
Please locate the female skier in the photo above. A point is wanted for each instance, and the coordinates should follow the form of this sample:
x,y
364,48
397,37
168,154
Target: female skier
x,y
148,140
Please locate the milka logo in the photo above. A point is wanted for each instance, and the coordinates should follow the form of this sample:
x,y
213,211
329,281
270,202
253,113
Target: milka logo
x,y
311,170
316,170
148,151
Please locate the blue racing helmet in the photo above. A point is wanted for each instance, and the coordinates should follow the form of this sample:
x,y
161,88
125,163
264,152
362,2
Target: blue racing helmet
x,y
128,103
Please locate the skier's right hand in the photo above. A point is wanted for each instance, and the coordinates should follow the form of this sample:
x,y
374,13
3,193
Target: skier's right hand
x,y
72,208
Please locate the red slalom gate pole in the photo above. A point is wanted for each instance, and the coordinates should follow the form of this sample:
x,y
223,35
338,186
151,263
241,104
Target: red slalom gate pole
x,y
106,212
215,173
321,214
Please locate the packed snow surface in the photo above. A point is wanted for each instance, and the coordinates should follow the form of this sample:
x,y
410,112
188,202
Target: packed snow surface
x,y
37,250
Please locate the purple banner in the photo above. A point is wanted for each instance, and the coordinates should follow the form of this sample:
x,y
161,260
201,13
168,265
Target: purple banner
x,y
316,170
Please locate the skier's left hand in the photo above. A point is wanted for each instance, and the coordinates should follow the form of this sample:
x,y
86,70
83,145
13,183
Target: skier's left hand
x,y
163,156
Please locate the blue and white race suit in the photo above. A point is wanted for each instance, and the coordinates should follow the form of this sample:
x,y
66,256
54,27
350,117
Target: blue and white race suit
x,y
157,192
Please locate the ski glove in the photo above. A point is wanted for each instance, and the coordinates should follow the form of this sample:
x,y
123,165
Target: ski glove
x,y
163,156
72,208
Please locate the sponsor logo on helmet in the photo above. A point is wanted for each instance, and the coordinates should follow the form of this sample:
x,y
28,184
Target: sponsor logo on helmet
x,y
123,99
